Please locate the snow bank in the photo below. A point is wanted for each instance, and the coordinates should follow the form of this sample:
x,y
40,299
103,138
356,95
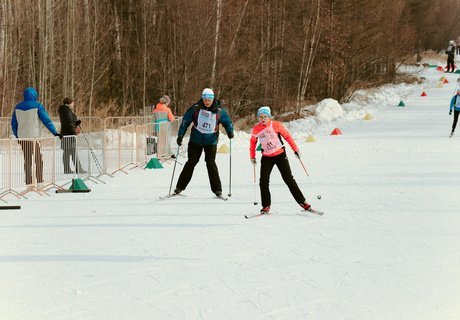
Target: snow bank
x,y
328,110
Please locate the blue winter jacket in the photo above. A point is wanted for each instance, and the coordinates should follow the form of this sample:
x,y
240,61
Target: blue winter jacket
x,y
453,103
205,138
27,116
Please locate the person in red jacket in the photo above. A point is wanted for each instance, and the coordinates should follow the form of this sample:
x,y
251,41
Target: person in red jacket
x,y
270,134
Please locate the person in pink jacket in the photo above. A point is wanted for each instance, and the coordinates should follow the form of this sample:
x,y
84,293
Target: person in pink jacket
x,y
270,135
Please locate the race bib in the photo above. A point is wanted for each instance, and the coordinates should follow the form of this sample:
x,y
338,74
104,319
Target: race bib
x,y
269,140
206,121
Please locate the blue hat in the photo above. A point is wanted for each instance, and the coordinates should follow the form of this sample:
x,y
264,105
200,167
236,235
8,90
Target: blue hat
x,y
207,94
264,110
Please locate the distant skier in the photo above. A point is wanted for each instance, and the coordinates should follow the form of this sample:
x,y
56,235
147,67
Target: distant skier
x,y
206,116
455,104
450,56
270,133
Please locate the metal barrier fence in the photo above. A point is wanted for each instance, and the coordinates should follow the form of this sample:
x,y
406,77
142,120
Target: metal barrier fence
x,y
38,165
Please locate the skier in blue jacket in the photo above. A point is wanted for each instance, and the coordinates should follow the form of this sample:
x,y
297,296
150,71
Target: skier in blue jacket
x,y
206,115
26,121
455,105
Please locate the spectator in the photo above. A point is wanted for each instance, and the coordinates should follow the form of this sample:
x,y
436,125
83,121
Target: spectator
x,y
451,56
25,123
70,127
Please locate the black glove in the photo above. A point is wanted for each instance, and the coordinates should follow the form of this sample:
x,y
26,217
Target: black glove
x,y
59,135
297,154
254,162
231,135
450,112
179,141
77,123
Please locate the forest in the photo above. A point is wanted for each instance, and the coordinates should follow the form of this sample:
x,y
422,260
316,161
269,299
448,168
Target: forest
x,y
117,57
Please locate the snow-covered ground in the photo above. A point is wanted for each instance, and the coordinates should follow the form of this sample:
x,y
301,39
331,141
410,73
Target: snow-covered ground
x,y
387,248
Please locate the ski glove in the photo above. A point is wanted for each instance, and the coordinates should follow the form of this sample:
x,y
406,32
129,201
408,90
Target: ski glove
x,y
297,154
231,135
254,162
450,112
58,135
77,123
179,141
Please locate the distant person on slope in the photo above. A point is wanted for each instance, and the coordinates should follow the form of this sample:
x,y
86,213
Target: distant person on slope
x,y
455,104
269,134
451,56
206,116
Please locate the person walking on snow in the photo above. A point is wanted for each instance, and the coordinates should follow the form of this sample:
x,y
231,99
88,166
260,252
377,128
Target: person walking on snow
x,y
270,133
206,116
451,56
455,105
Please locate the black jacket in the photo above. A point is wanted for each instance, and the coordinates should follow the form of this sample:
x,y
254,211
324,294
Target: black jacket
x,y
68,120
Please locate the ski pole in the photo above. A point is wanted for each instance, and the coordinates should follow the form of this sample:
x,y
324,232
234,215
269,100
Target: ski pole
x,y
255,189
174,169
309,178
230,172
93,155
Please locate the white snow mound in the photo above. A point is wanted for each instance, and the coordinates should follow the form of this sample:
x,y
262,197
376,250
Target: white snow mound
x,y
328,110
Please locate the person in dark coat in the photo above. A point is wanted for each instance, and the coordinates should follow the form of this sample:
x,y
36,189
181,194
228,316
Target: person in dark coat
x,y
206,115
70,127
450,56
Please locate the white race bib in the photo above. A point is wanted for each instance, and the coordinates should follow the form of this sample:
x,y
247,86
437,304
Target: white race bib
x,y
207,121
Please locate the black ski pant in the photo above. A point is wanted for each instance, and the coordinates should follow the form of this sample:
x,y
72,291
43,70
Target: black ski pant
x,y
194,153
450,63
282,162
454,124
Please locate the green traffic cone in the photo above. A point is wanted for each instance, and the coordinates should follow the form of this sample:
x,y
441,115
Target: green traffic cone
x,y
78,185
259,147
401,104
154,163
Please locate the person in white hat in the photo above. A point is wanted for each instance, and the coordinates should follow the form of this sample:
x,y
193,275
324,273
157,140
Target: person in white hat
x,y
269,134
451,56
206,115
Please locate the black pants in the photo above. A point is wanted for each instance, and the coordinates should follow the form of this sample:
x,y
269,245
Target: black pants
x,y
30,148
454,124
69,146
194,153
450,64
282,162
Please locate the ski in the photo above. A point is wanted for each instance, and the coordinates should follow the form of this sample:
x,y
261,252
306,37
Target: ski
x,y
320,213
221,198
250,216
172,195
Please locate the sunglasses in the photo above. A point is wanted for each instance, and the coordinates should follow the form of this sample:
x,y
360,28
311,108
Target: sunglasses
x,y
207,97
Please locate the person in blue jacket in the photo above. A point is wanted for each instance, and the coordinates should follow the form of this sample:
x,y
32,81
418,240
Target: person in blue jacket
x,y
26,121
206,115
455,105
